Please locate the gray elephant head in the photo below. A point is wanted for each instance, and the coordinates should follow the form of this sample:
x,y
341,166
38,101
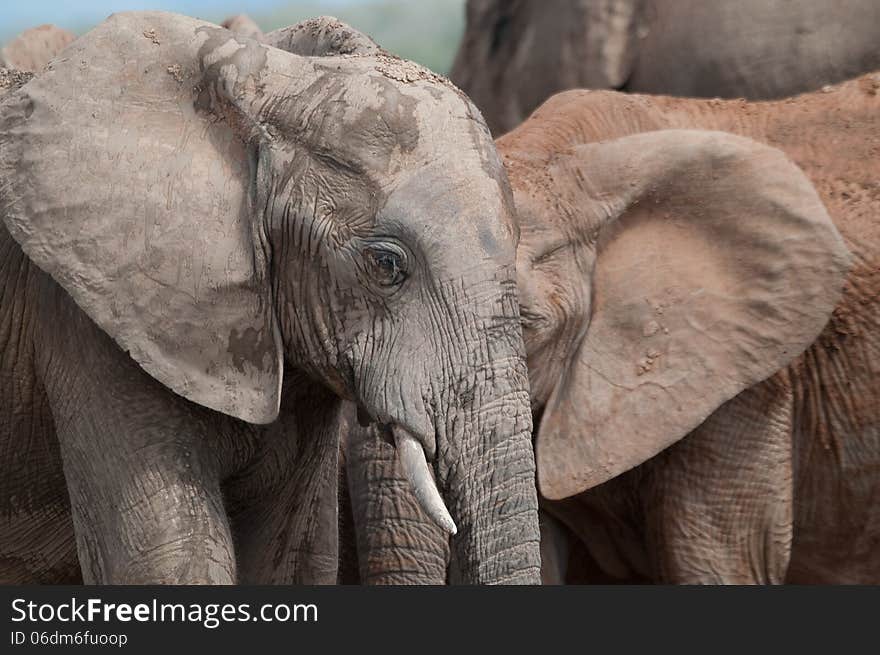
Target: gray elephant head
x,y
228,211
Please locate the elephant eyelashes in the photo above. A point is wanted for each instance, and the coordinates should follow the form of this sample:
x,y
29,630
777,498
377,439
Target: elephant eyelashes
x,y
386,264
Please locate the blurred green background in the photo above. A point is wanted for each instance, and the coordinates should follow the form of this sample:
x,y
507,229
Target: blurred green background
x,y
426,31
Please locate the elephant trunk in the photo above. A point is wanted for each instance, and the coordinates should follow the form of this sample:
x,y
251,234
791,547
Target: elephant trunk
x,y
471,419
485,471
396,542
491,494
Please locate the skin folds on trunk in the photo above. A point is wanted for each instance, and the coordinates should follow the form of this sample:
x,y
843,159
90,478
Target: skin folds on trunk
x,y
396,545
494,546
479,448
488,483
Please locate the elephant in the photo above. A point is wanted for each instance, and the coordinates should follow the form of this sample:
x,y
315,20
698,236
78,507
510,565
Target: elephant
x,y
699,287
517,53
208,245
34,48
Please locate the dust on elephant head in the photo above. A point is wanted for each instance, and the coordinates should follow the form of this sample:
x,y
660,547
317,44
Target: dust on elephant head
x,y
225,209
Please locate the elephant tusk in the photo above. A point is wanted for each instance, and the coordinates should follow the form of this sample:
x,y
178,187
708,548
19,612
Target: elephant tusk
x,y
415,467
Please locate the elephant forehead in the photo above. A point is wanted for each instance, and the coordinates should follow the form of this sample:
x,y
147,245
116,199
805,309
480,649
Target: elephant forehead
x,y
372,122
449,204
360,124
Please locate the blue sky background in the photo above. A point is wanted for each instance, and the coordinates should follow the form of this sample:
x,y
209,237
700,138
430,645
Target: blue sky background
x,y
426,31
16,15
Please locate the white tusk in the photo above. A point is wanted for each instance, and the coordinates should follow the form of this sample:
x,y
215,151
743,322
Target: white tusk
x,y
415,467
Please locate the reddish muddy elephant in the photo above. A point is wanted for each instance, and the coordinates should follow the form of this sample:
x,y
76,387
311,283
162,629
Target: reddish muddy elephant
x,y
702,326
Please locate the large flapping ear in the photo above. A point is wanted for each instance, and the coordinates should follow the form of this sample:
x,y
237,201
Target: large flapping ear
x,y
34,48
716,264
321,37
126,174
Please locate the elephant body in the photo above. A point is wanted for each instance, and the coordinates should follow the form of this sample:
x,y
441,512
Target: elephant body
x,y
779,484
208,242
516,54
773,480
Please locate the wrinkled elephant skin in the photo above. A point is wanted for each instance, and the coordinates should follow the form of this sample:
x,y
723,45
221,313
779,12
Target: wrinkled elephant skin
x,y
702,326
208,242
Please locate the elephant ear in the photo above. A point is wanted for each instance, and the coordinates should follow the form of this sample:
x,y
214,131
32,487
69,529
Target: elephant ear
x,y
716,264
125,175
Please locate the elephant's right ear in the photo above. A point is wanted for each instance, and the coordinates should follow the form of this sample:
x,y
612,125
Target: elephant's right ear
x,y
707,262
126,174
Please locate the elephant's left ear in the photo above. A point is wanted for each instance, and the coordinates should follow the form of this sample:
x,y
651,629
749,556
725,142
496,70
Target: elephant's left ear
x,y
127,173
716,265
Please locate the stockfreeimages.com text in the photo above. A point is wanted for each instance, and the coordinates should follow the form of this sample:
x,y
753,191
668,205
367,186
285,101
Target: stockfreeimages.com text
x,y
209,615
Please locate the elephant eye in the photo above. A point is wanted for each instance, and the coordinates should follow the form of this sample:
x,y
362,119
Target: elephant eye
x,y
386,264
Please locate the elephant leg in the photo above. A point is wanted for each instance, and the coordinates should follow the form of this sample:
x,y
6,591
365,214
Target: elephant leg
x,y
718,504
146,503
284,505
37,544
396,541
141,464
